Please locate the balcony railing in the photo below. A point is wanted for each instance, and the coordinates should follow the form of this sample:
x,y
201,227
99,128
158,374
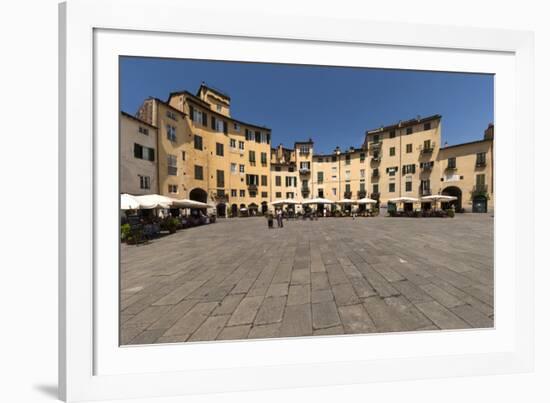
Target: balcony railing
x,y
347,195
376,158
481,164
425,192
375,195
480,188
375,145
426,149
375,173
305,171
305,190
426,167
252,187
361,194
450,167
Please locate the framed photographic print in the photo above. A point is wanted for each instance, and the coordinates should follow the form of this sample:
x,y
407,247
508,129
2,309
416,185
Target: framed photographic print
x,y
243,209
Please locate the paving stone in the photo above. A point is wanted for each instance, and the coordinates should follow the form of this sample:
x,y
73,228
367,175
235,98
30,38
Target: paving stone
x,y
385,318
324,315
299,294
179,293
271,310
147,337
229,304
356,319
336,330
387,272
296,321
321,296
319,281
192,320
441,316
210,329
148,316
300,276
344,294
234,333
265,331
277,290
178,311
412,292
441,296
473,316
246,311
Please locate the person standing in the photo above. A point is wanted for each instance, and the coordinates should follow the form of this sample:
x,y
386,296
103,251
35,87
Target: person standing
x,y
279,218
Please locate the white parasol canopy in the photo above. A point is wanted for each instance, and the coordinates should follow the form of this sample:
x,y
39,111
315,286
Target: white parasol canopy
x,y
128,202
435,198
404,200
318,200
284,201
366,200
187,203
346,201
154,201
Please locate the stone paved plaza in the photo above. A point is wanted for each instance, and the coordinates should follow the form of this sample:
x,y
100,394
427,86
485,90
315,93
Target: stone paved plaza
x,y
237,279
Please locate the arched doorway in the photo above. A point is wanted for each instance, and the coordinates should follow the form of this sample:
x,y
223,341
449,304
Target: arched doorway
x,y
198,194
479,204
252,209
452,191
243,210
234,210
264,207
220,209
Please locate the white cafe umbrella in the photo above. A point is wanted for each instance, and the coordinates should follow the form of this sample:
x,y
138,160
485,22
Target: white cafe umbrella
x,y
366,200
284,201
318,200
346,201
403,200
187,203
154,201
128,202
435,198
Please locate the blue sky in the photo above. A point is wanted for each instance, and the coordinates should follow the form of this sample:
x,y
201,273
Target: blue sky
x,y
332,105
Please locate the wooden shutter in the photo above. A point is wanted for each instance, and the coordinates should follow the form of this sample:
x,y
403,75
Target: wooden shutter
x,y
191,112
413,168
151,154
225,127
138,151
204,119
213,122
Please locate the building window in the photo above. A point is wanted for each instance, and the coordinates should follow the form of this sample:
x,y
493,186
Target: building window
x,y
334,191
252,157
171,115
172,164
409,169
290,169
258,137
241,168
183,155
451,163
172,188
392,151
481,159
236,127
362,157
144,130
264,194
409,148
348,159
170,133
290,181
348,175
480,179
233,168
248,135
278,169
320,193
197,140
219,149
232,143
362,174
304,149
425,186
144,153
290,195
427,126
278,195
220,178
198,172
144,182
391,171
409,130
242,193
252,180
264,180
219,108
277,180
362,186
198,116
320,177
233,192
408,186
333,158
391,188
241,145
304,165
376,138
348,188
263,158
375,188
392,134
218,125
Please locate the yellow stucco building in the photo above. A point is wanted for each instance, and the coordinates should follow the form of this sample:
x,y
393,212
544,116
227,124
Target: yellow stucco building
x,y
203,153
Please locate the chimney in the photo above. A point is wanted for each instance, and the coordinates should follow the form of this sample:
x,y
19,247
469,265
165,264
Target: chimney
x,y
489,133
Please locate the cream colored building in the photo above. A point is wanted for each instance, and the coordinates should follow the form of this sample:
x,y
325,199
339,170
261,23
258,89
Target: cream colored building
x,y
203,153
138,156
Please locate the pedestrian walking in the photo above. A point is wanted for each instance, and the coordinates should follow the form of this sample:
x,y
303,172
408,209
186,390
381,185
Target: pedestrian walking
x,y
279,218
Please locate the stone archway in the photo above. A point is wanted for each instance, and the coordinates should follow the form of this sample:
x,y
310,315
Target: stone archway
x,y
456,192
220,209
234,210
264,207
479,204
198,194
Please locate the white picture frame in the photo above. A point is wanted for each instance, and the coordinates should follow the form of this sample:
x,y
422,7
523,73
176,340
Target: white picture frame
x,y
92,366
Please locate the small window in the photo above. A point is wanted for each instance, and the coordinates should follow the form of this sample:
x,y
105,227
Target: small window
x,y
242,193
219,108
451,163
263,158
427,126
144,182
198,172
219,149
408,186
197,140
252,157
277,180
264,180
264,194
348,159
278,168
409,148
392,151
236,127
375,188
362,157
409,130
233,168
172,188
233,192
241,168
375,138
391,188
183,155
170,133
278,195
241,145
320,177
392,134
220,178
144,130
171,115
232,143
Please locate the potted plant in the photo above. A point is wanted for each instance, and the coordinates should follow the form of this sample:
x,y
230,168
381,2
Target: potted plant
x,y
172,225
125,232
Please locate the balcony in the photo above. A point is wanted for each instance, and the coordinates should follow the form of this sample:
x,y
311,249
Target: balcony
x,y
376,158
375,145
375,173
479,189
425,192
427,149
450,168
426,167
481,164
305,171
361,194
252,187
305,191
375,195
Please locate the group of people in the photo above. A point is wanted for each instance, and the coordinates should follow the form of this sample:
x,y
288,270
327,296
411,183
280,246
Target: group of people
x,y
278,217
